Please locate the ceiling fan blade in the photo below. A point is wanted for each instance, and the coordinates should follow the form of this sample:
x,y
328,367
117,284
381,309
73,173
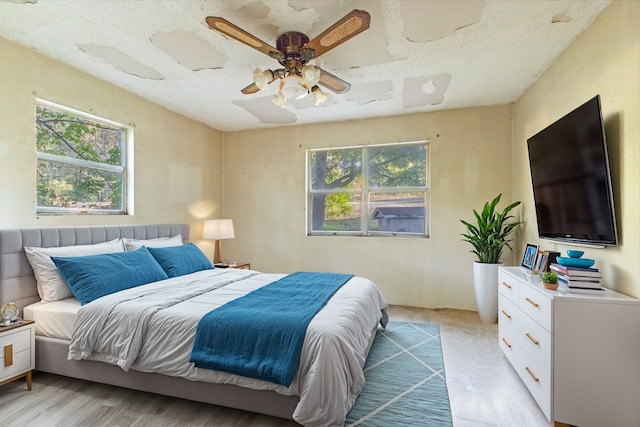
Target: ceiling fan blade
x,y
252,88
272,76
332,82
349,26
227,28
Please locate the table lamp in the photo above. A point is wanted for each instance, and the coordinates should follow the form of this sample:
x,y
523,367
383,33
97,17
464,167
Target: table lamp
x,y
217,229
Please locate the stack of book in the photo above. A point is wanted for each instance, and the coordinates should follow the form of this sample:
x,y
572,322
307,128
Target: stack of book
x,y
579,280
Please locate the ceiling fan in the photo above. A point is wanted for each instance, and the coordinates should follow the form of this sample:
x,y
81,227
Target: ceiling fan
x,y
293,51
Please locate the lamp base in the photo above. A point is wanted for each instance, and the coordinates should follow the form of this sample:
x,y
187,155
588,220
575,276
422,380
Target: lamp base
x,y
217,258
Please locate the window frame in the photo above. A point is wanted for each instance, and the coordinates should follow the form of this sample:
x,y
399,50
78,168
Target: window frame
x,y
366,192
125,168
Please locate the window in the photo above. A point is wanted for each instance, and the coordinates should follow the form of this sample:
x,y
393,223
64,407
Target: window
x,y
82,162
368,190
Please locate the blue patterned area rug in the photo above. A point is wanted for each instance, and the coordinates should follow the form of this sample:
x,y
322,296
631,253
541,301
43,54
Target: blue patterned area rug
x,y
405,379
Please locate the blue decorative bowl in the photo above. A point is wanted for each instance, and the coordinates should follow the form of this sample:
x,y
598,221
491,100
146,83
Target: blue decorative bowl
x,y
575,254
575,262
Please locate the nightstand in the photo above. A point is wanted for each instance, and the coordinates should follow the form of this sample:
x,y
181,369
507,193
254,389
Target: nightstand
x,y
243,266
239,265
17,352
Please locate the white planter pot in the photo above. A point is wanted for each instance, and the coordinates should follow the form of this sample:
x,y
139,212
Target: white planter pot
x,y
485,283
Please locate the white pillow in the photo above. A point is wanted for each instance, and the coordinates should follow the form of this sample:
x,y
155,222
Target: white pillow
x,y
51,286
160,242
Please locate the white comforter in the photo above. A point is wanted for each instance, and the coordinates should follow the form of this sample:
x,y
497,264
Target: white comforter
x,y
151,328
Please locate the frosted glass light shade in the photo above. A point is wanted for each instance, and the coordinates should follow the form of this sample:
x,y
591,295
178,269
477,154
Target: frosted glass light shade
x,y
319,95
262,78
291,88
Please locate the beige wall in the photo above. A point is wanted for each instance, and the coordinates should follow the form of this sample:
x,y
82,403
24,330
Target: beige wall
x,y
604,60
475,153
264,194
178,161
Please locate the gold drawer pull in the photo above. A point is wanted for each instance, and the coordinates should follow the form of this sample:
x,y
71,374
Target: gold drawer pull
x,y
533,340
8,355
533,303
536,379
507,285
506,342
506,314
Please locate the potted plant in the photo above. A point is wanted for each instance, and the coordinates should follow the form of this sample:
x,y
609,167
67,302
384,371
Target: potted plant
x,y
489,236
550,280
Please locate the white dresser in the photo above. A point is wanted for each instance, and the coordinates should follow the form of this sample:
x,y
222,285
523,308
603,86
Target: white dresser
x,y
578,354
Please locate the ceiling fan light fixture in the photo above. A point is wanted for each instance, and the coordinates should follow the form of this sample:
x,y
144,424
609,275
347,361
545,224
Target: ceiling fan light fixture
x,y
291,87
310,76
262,78
319,95
279,100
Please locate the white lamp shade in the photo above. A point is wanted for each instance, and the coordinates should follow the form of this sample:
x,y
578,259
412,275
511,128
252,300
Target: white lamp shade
x,y
215,229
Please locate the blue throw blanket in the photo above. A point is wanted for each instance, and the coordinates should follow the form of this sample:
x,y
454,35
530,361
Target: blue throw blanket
x,y
260,335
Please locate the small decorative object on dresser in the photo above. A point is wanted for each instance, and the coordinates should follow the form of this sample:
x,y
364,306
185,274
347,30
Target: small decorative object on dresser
x,y
529,258
9,312
17,343
550,280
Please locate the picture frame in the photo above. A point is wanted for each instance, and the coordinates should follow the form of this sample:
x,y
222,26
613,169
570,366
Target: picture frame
x,y
543,261
530,257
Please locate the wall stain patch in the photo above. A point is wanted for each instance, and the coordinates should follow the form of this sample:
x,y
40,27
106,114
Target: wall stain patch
x,y
560,17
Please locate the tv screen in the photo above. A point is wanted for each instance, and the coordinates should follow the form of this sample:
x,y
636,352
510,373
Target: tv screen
x,y
571,179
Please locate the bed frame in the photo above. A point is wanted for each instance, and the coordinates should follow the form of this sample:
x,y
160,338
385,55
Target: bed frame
x,y
18,284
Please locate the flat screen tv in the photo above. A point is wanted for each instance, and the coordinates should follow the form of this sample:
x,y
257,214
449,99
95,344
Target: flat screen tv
x,y
571,179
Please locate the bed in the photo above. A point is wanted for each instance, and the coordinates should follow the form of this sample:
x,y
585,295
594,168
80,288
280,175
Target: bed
x,y
299,401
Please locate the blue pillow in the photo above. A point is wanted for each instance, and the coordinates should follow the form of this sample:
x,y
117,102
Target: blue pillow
x,y
181,260
94,276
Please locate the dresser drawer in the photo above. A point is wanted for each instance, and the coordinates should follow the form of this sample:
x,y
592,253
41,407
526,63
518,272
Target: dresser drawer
x,y
538,381
509,345
21,362
508,313
20,339
508,287
536,305
536,340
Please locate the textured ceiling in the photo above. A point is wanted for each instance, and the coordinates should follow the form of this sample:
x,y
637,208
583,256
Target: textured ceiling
x,y
418,55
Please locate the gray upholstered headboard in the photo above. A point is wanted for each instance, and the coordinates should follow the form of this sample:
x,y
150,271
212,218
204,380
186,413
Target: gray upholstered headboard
x,y
17,282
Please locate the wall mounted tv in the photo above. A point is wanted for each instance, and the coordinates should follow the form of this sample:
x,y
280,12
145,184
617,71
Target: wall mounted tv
x,y
571,179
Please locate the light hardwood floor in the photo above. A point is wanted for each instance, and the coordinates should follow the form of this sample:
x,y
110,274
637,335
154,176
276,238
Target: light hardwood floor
x,y
483,388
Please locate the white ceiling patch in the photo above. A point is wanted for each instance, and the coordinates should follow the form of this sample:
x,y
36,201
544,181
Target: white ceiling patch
x,y
266,112
436,19
427,90
120,61
255,10
370,92
189,49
